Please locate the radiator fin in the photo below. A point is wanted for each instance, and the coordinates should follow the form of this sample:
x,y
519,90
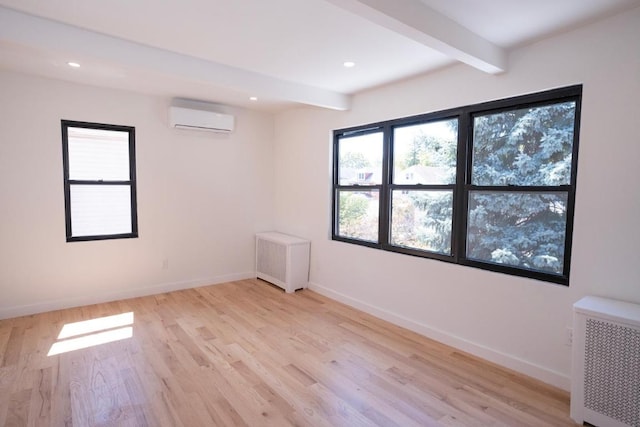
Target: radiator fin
x,y
272,259
612,371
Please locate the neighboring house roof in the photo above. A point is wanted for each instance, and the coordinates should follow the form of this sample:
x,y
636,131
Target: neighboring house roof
x,y
362,176
416,174
420,174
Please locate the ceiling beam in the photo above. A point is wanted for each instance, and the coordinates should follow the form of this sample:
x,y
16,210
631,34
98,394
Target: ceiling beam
x,y
417,21
29,30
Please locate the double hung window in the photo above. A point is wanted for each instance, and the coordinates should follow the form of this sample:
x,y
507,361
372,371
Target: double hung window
x,y
99,181
489,185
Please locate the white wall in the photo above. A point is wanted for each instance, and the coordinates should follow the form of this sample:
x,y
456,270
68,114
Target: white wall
x,y
518,322
201,198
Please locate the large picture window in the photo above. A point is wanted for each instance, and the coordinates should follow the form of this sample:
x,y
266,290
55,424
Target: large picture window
x,y
99,181
489,185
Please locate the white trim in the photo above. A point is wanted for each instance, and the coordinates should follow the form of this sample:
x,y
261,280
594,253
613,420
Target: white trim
x,y
509,361
58,304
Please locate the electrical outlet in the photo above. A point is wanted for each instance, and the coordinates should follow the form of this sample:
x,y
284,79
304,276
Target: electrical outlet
x,y
165,264
568,339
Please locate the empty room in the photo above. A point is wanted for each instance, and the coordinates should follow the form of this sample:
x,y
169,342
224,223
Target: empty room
x,y
319,213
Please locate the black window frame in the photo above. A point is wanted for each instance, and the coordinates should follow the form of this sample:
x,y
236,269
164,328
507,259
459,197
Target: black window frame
x,y
463,185
131,182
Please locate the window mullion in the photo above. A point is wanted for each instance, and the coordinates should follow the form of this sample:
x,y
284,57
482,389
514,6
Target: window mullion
x,y
463,178
385,196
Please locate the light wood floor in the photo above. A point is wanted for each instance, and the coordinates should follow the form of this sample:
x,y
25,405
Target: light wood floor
x,y
247,354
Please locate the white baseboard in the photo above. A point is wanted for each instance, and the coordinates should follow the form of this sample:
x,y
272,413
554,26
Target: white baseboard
x,y
541,373
58,304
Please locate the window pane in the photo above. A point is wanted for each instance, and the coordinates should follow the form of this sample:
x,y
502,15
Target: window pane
x,y
358,214
360,159
98,210
96,154
422,220
525,230
529,146
425,153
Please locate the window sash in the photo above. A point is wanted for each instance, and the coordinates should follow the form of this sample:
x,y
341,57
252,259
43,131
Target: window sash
x,y
431,234
98,154
100,210
358,203
546,219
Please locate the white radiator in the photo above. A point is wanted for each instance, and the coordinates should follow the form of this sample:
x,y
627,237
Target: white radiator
x,y
282,260
605,379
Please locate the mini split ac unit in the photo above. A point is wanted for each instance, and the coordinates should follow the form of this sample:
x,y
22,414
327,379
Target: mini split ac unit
x,y
189,118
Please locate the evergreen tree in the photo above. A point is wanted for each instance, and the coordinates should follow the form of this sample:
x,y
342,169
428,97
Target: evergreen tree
x,y
527,147
422,219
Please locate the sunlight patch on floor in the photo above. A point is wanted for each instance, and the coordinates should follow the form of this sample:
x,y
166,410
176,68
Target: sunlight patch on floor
x,y
93,332
94,325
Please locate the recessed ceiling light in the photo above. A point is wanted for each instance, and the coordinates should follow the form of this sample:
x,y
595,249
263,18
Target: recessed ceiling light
x,y
349,64
253,98
73,64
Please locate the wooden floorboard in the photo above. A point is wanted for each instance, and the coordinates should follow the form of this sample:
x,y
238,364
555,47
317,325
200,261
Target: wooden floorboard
x,y
247,354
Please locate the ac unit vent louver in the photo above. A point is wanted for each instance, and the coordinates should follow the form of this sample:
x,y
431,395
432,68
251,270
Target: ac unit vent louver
x,y
195,119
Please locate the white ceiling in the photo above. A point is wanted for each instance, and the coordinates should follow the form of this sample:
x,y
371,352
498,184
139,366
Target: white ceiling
x,y
285,52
